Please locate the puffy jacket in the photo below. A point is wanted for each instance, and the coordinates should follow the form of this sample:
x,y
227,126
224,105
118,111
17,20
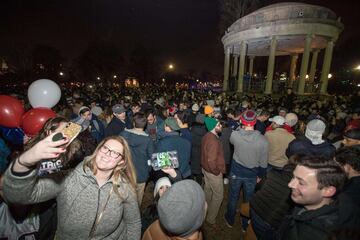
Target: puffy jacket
x,y
272,201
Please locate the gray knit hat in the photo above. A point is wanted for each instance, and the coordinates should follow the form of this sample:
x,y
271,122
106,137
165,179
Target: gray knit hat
x,y
182,208
314,131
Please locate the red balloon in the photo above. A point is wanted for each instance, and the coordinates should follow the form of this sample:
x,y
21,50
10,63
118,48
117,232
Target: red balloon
x,y
11,111
34,120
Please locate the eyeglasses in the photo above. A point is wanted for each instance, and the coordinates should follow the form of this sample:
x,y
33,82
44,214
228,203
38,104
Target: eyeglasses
x,y
104,149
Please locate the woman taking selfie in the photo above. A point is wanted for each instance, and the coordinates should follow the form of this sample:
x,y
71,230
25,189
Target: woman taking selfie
x,y
96,200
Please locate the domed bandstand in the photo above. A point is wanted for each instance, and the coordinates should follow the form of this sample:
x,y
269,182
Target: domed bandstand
x,y
282,29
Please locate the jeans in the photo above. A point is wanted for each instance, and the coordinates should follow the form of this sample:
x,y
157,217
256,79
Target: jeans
x,y
239,177
262,229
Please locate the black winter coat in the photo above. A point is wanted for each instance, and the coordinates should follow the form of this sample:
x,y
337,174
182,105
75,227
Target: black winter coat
x,y
320,223
197,132
304,146
272,201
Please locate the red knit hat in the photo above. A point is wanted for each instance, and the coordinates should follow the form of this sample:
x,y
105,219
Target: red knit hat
x,y
248,118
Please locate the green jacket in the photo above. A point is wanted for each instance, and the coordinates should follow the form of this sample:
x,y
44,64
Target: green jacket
x,y
79,200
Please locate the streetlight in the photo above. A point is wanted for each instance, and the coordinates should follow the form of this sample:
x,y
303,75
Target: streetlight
x,y
98,78
307,76
61,73
330,75
171,66
358,67
114,76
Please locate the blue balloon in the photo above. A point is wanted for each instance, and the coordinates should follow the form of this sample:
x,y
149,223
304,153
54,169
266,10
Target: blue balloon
x,y
13,135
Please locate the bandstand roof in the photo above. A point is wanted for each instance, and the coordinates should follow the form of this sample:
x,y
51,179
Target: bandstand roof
x,y
290,22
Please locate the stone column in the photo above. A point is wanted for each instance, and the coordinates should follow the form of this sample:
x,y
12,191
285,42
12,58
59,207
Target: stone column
x,y
313,65
251,70
226,69
270,68
304,64
326,67
251,65
235,65
240,82
294,58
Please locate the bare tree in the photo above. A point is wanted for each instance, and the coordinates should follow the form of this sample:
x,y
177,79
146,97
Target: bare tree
x,y
232,10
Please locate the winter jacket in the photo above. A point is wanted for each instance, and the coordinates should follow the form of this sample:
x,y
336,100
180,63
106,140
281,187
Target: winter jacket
x,y
115,127
172,141
225,140
279,140
250,149
197,132
272,201
320,223
79,199
185,133
155,232
304,146
97,129
142,148
352,189
212,154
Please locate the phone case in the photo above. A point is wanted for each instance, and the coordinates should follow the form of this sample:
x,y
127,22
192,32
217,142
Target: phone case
x,y
71,131
164,160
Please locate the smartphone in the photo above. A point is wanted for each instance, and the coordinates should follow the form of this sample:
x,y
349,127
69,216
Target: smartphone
x,y
164,160
71,131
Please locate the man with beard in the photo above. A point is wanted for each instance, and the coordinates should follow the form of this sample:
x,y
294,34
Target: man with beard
x,y
213,167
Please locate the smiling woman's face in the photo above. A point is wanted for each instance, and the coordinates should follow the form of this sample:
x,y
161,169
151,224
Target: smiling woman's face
x,y
109,155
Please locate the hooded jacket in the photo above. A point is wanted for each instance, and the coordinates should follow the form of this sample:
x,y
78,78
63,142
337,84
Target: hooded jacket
x,y
79,200
304,146
320,223
250,148
141,147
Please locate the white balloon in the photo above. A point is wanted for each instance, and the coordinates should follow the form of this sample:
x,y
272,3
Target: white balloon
x,y
44,93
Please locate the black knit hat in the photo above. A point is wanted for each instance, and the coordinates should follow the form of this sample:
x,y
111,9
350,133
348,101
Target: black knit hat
x,y
353,133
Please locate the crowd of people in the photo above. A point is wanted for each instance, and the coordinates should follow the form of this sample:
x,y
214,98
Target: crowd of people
x,y
292,162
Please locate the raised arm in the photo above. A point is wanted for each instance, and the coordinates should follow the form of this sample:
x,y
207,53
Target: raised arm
x,y
21,183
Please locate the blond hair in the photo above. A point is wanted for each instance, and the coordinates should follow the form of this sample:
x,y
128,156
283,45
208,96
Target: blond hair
x,y
122,172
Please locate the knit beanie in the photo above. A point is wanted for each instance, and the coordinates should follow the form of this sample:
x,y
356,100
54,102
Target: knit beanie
x,y
353,133
208,110
172,123
182,208
291,119
314,131
195,107
248,118
164,181
210,123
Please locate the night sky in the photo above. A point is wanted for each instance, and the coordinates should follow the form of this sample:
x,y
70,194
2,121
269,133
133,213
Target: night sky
x,y
184,32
